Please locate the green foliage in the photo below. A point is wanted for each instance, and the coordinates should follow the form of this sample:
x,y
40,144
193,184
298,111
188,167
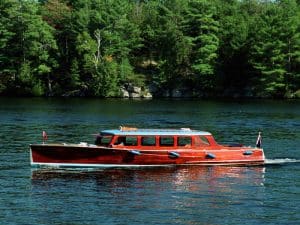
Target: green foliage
x,y
38,89
25,74
8,12
27,49
105,80
218,47
232,68
274,50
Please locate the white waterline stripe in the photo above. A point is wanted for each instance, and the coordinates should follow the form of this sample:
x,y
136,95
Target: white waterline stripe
x,y
237,162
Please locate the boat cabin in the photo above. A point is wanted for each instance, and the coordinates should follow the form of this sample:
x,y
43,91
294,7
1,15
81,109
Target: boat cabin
x,y
155,138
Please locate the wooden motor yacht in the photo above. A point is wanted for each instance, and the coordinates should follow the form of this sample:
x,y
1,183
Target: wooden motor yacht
x,y
133,147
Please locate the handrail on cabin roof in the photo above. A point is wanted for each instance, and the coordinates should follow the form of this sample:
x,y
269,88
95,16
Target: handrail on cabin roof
x,y
123,128
137,131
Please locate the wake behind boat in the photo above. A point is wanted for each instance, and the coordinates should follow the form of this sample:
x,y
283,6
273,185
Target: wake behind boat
x,y
133,147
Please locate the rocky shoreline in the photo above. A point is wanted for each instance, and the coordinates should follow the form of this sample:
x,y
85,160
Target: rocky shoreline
x,y
131,91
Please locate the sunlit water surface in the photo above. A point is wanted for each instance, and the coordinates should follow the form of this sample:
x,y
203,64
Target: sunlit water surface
x,y
177,195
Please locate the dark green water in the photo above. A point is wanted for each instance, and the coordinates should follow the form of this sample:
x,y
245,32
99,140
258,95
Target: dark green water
x,y
184,195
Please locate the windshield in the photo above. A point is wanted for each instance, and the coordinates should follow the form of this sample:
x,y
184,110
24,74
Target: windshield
x,y
103,140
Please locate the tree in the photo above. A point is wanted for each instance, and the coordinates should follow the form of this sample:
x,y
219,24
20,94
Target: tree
x,y
291,34
166,48
94,47
38,47
275,48
203,28
68,20
28,49
111,38
232,65
8,12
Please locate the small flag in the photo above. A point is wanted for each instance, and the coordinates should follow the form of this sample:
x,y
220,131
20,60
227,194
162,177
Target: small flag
x,y
259,140
45,137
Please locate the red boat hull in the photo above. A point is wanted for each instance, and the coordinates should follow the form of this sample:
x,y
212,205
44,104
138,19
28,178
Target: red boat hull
x,y
59,155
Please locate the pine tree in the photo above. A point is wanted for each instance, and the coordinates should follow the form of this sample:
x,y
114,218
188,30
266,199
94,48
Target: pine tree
x,y
203,28
275,48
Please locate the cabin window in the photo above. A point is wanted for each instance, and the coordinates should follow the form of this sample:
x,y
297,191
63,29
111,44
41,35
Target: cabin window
x,y
103,140
201,141
148,141
184,141
126,141
166,141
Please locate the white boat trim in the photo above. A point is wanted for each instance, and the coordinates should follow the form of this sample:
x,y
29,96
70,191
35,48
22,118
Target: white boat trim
x,y
92,165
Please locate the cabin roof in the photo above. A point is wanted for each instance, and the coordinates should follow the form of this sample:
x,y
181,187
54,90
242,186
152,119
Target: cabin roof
x,y
153,132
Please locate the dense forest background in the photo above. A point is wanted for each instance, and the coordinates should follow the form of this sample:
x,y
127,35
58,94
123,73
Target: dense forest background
x,y
200,48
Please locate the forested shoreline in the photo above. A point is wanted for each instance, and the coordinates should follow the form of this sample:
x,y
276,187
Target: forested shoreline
x,y
197,48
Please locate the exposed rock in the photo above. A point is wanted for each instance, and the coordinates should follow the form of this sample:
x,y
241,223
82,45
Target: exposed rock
x,y
124,93
131,91
134,95
147,94
148,63
136,89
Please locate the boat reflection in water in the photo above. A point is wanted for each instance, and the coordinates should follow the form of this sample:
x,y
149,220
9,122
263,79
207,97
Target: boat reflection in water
x,y
171,195
189,178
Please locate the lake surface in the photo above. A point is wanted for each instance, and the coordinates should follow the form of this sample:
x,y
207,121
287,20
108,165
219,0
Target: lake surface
x,y
268,194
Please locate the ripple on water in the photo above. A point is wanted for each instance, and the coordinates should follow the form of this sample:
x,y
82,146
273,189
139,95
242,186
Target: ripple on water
x,y
178,195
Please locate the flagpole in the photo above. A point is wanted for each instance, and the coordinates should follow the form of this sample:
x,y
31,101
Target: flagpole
x,y
44,136
259,140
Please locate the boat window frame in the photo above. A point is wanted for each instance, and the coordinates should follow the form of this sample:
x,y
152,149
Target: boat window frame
x,y
148,136
104,137
166,145
121,140
187,145
202,142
